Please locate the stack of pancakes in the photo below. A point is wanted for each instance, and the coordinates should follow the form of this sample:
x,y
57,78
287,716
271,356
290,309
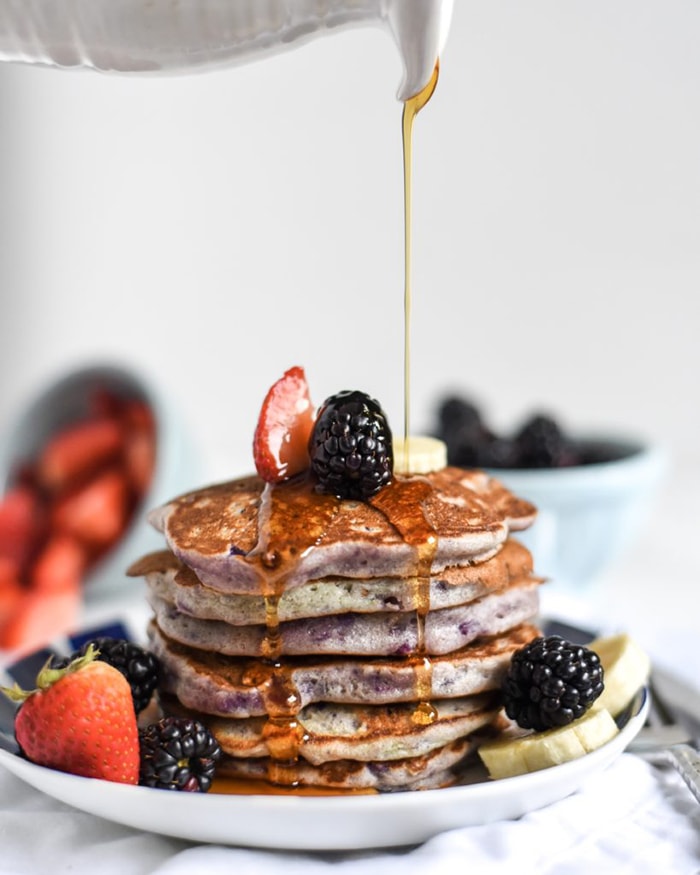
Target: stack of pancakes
x,y
341,644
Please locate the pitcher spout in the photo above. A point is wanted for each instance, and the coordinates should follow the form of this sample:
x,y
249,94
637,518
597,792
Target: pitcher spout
x,y
420,29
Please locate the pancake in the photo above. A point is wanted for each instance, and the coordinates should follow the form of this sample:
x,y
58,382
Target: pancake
x,y
234,687
168,579
234,535
439,768
327,732
379,634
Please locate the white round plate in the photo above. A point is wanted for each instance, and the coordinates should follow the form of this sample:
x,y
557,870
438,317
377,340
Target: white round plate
x,y
324,822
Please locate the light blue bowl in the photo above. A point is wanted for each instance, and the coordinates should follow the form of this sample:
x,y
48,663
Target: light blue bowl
x,y
66,400
588,515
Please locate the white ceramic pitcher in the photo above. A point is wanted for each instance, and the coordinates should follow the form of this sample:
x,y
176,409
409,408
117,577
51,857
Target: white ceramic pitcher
x,y
176,36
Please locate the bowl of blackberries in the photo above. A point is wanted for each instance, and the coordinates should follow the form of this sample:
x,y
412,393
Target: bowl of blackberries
x,y
593,493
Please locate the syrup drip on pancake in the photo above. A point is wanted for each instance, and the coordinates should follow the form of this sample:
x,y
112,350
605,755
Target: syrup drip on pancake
x,y
402,504
293,519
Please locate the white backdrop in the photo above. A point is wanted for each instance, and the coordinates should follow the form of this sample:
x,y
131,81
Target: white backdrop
x,y
213,230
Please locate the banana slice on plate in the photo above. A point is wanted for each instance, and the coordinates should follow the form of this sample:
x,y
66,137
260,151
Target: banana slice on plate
x,y
506,757
626,668
419,455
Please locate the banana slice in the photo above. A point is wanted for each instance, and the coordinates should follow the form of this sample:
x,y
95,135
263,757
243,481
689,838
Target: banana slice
x,y
507,757
419,455
626,667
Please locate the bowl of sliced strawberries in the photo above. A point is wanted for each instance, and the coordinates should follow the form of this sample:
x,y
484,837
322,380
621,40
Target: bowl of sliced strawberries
x,y
81,466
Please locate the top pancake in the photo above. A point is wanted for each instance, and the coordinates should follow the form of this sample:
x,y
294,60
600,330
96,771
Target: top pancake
x,y
247,537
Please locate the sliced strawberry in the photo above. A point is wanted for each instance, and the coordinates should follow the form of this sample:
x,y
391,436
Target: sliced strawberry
x,y
8,571
21,525
96,513
39,617
11,590
139,461
77,451
103,403
60,565
139,445
280,444
139,416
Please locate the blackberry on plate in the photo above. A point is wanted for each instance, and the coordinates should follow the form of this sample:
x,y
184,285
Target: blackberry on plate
x,y
140,667
351,446
551,682
178,753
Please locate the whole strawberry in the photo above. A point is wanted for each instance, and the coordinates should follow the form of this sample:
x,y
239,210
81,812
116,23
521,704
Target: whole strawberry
x,y
80,719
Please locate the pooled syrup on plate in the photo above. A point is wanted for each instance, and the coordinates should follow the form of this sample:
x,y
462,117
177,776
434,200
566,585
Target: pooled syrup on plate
x,y
293,519
258,787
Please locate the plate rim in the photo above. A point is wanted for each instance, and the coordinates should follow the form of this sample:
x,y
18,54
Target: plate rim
x,y
543,787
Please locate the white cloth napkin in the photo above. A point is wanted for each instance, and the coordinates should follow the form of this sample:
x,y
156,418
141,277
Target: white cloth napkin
x,y
629,820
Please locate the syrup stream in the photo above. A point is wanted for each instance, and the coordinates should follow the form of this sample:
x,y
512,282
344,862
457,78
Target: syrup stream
x,y
410,110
